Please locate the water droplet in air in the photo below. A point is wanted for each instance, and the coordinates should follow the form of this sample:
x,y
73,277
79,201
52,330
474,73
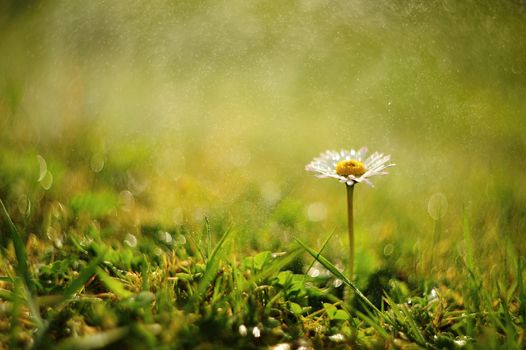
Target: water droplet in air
x,y
316,211
130,240
97,162
42,166
388,249
437,205
165,237
177,216
180,239
24,205
47,181
270,192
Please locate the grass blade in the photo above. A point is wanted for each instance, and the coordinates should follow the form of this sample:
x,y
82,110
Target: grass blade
x,y
20,250
405,318
275,267
522,292
94,341
113,284
329,266
212,266
77,284
105,338
371,321
22,268
323,245
468,243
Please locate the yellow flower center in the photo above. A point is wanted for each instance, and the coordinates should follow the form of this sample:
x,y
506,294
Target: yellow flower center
x,y
350,167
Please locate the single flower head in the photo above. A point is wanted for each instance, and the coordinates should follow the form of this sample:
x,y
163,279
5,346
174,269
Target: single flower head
x,y
350,166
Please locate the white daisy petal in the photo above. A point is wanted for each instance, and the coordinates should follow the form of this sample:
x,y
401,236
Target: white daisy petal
x,y
350,166
361,153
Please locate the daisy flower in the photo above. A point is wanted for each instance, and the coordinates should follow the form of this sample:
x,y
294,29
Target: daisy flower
x,y
350,166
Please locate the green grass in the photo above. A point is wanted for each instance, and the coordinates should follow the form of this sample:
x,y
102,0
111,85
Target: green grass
x,y
95,290
152,183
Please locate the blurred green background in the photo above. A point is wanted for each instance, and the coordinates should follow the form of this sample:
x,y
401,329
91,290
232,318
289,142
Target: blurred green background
x,y
163,112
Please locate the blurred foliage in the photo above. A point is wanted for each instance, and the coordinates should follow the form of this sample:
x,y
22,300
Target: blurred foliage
x,y
124,125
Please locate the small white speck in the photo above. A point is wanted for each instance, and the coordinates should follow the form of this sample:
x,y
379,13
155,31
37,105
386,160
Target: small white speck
x,y
243,330
460,342
433,296
256,332
314,272
281,346
338,337
58,243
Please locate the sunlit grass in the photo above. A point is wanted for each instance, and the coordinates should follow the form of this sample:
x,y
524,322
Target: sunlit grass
x,y
152,162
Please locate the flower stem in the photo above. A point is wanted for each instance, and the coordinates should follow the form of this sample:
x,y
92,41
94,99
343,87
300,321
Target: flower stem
x,y
350,218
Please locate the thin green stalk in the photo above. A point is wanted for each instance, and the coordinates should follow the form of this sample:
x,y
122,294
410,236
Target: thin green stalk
x,y
350,190
20,250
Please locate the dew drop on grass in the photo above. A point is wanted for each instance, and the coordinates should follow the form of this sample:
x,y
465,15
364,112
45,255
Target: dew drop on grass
x,y
437,205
